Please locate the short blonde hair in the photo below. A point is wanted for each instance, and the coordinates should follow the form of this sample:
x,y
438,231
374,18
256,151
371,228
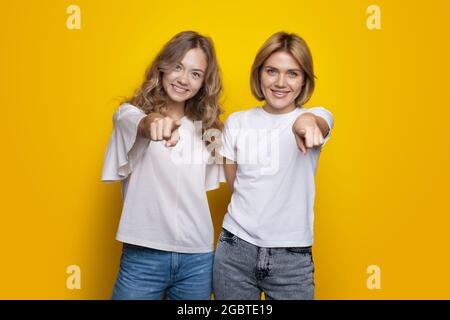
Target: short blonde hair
x,y
298,49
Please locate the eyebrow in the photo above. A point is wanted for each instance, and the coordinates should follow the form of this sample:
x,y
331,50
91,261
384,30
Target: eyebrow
x,y
202,71
298,70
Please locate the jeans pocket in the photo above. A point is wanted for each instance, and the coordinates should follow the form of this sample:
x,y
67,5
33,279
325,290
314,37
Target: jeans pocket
x,y
227,236
303,250
304,253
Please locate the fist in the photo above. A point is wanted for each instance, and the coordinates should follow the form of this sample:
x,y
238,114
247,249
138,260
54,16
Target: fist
x,y
307,132
156,127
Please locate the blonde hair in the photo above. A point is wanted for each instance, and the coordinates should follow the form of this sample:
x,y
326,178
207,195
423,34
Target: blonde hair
x,y
298,49
204,106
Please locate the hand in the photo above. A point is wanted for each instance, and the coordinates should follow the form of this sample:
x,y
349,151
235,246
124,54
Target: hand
x,y
156,127
307,132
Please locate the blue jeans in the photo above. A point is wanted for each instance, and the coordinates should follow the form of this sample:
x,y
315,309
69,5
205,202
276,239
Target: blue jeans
x,y
242,271
150,274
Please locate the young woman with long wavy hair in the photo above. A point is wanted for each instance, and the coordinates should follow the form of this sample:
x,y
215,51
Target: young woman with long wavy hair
x,y
158,151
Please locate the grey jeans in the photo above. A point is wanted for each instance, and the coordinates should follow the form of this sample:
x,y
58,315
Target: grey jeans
x,y
242,270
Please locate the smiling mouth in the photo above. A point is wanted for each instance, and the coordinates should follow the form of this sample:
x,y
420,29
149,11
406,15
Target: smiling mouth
x,y
179,89
279,93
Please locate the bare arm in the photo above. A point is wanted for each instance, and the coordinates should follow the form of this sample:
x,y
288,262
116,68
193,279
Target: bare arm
x,y
320,122
310,131
230,168
323,125
145,123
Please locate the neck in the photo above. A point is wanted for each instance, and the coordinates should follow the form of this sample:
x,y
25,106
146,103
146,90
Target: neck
x,y
175,110
268,108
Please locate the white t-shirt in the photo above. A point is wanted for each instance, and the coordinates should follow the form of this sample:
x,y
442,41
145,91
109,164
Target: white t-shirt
x,y
273,200
164,188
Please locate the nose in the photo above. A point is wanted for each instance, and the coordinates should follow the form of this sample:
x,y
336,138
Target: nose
x,y
280,82
182,79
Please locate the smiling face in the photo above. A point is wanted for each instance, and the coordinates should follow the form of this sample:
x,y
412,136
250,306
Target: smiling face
x,y
281,82
186,77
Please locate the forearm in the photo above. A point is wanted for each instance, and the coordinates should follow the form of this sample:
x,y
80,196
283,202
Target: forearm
x,y
140,129
230,174
143,129
321,123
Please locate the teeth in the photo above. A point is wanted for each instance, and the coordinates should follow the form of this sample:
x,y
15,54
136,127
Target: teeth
x,y
279,93
179,90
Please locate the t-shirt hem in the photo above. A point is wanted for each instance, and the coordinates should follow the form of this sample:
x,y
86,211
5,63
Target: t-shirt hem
x,y
226,155
214,187
164,247
268,244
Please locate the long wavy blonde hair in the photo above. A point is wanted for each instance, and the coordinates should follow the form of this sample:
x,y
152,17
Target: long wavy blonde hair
x,y
204,106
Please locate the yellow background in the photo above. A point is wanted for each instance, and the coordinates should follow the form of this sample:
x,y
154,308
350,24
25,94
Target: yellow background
x,y
382,196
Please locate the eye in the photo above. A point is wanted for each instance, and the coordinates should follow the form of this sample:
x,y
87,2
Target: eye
x,y
293,74
178,67
271,72
196,75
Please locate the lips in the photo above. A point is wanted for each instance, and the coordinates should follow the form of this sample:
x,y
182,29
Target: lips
x,y
279,93
178,89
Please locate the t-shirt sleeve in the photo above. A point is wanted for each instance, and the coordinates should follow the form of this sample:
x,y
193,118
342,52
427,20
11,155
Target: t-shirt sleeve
x,y
124,148
228,147
214,176
327,116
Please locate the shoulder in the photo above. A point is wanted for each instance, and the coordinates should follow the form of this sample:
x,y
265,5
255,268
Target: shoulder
x,y
126,108
315,109
322,112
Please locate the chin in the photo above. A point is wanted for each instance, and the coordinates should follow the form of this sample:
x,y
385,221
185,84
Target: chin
x,y
278,105
177,98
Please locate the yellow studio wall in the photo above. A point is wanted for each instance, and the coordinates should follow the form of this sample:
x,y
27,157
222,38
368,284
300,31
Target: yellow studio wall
x,y
381,197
